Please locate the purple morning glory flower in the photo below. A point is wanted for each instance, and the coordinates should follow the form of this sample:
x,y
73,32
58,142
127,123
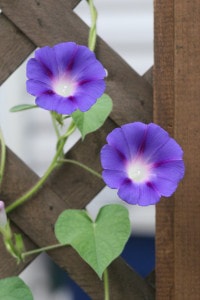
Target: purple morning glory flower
x,y
65,78
143,162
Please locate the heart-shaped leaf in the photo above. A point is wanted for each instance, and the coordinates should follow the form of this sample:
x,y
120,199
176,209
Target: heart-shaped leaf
x,y
13,288
99,242
94,118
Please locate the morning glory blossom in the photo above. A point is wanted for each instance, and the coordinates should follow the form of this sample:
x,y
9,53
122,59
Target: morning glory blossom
x,y
143,162
65,77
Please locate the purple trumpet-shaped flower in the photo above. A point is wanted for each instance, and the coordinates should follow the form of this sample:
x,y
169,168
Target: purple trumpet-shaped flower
x,y
65,78
143,162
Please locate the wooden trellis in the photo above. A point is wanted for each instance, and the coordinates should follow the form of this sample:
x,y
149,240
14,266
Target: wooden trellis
x,y
25,25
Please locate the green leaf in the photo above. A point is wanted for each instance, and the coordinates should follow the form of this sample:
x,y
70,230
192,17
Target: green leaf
x,y
99,242
94,118
22,107
13,288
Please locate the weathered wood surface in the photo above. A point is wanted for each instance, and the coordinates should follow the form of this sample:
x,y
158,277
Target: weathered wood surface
x,y
14,48
47,24
177,108
43,22
164,115
45,208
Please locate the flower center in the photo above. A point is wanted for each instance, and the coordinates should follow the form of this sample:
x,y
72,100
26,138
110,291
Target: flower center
x,y
64,87
138,171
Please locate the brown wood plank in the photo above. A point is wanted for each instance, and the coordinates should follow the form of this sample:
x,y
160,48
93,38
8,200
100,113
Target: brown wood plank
x,y
187,131
177,107
148,76
132,101
45,207
63,184
164,116
71,3
14,47
55,23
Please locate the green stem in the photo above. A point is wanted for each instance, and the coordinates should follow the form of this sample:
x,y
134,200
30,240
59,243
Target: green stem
x,y
106,285
3,156
75,162
55,126
36,251
51,167
93,31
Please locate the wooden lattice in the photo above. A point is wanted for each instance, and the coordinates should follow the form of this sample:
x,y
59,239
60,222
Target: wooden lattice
x,y
25,25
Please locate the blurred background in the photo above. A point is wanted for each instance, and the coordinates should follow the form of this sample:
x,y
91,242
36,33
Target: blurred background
x,y
127,26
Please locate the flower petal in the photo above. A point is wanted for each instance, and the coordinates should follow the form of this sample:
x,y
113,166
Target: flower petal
x,y
168,176
141,194
129,192
134,134
87,94
155,138
65,53
112,159
83,58
114,178
35,70
92,71
46,56
168,152
148,195
36,88
117,140
54,102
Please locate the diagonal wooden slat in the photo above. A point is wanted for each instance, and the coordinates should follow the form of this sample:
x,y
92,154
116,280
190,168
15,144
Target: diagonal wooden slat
x,y
14,47
69,187
85,189
55,23
72,3
47,206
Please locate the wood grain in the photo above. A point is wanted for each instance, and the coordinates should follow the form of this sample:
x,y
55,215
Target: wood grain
x,y
45,208
177,107
14,47
48,24
43,23
164,116
187,132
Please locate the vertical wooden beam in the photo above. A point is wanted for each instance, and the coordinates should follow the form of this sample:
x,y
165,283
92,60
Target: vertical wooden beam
x,y
187,131
164,116
177,108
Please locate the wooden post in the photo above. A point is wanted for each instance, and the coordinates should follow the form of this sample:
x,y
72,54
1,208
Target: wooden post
x,y
177,108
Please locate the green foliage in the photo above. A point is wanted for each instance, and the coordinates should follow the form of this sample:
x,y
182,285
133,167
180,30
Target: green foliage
x,y
22,107
13,288
95,117
99,242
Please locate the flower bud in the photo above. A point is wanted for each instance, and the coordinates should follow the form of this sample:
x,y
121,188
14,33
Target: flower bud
x,y
3,216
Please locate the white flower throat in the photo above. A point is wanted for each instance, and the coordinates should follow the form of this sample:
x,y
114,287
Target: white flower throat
x,y
64,87
138,171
